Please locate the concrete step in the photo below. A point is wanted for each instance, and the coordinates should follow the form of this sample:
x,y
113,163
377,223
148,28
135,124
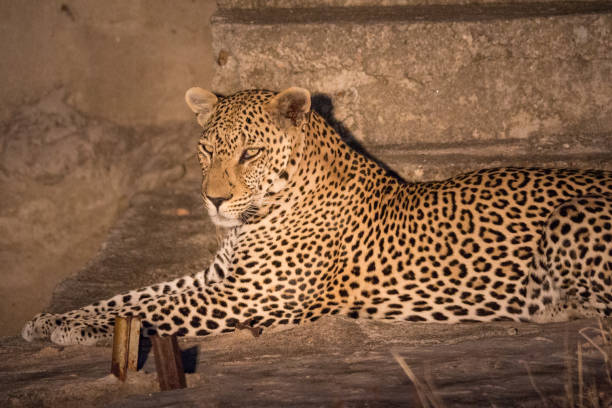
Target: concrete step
x,y
434,72
368,11
438,162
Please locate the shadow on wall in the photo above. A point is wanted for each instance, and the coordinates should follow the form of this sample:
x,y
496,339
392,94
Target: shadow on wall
x,y
323,105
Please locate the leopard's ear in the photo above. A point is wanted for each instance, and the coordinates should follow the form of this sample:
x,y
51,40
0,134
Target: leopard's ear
x,y
290,107
202,102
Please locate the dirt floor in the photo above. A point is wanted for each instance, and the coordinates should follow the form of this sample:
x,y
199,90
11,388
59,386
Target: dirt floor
x,y
336,362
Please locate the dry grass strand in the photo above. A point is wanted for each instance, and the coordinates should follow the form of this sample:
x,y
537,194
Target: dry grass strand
x,y
424,392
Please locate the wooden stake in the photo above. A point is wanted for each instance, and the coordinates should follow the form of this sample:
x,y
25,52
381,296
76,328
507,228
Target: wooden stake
x,y
168,363
125,346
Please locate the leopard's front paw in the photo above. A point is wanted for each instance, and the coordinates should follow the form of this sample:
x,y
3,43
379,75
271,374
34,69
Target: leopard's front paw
x,y
87,333
41,326
69,328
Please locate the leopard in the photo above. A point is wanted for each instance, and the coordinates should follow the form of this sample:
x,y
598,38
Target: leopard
x,y
317,228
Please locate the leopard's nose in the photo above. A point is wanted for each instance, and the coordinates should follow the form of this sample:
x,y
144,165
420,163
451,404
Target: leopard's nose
x,y
217,201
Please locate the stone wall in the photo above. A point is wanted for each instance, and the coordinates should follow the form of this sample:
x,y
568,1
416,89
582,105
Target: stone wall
x,y
437,87
125,61
92,111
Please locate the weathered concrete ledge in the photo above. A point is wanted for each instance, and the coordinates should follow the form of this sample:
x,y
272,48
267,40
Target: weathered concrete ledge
x,y
319,13
438,162
435,73
259,4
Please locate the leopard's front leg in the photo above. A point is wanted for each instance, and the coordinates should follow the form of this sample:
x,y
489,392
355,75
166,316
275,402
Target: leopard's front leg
x,y
198,312
44,324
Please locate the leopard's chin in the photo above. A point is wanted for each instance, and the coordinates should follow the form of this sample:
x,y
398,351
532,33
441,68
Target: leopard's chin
x,y
221,221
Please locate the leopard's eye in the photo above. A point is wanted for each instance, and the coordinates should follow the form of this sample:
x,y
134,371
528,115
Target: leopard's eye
x,y
206,149
250,153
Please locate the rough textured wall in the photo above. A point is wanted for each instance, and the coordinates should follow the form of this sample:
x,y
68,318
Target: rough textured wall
x,y
440,86
427,82
120,60
91,112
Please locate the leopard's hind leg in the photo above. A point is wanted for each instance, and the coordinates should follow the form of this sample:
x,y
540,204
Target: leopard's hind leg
x,y
571,274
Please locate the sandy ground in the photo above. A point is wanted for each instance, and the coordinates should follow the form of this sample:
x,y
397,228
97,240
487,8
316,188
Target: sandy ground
x,y
335,362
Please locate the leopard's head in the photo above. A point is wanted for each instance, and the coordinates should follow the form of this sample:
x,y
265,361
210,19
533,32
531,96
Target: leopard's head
x,y
248,148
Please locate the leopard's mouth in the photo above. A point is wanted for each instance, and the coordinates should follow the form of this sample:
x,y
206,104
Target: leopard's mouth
x,y
234,216
226,220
